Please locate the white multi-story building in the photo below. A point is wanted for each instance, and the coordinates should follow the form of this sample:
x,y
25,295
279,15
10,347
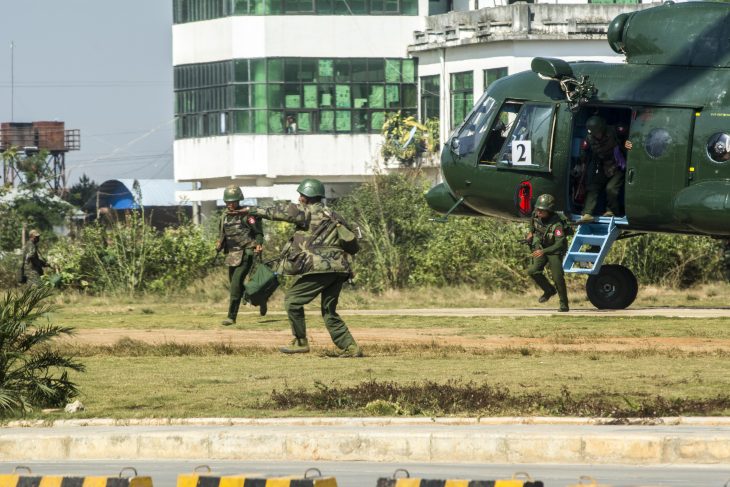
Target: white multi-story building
x,y
271,91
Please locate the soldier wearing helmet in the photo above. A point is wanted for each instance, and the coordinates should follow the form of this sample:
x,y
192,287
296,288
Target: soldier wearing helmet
x,y
548,243
33,262
241,236
315,255
604,160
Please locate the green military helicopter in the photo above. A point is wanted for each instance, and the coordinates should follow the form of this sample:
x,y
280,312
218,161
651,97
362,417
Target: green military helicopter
x,y
671,99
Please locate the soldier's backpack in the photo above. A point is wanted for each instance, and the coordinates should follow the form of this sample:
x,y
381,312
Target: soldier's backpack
x,y
261,284
347,240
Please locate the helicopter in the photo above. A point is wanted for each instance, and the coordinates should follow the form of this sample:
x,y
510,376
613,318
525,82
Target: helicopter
x,y
670,98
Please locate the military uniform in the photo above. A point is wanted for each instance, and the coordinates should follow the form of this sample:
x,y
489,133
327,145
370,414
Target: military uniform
x,y
323,267
549,235
33,263
240,234
605,163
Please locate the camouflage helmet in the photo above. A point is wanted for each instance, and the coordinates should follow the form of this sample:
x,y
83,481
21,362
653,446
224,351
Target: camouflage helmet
x,y
311,188
232,193
545,202
34,233
596,124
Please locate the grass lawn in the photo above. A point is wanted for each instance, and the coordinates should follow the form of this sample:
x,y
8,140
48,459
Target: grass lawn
x,y
173,379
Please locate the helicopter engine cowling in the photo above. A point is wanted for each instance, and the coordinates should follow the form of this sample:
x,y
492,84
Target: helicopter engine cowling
x,y
442,200
705,207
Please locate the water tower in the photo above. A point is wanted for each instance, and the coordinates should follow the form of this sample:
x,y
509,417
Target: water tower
x,y
29,139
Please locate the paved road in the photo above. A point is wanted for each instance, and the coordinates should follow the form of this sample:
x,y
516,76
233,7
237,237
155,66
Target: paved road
x,y
365,474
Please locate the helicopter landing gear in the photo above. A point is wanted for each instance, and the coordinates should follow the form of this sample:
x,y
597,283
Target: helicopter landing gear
x,y
614,287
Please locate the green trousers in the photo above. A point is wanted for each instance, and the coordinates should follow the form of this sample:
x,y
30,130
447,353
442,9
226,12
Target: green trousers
x,y
303,291
237,274
555,261
612,186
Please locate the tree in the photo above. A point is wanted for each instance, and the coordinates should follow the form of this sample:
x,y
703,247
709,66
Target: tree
x,y
31,372
82,191
30,202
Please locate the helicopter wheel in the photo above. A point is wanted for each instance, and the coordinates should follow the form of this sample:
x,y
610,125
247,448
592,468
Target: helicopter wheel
x,y
614,287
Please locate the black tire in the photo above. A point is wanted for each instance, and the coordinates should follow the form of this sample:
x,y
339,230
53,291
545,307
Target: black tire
x,y
614,287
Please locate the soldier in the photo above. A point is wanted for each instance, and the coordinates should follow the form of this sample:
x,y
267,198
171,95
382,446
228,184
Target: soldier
x,y
33,263
240,237
602,156
315,255
548,244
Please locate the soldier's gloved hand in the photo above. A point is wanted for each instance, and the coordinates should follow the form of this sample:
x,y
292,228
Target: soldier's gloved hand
x,y
258,249
538,253
218,246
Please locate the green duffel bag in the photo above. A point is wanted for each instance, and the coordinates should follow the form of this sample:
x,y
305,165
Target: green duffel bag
x,y
261,284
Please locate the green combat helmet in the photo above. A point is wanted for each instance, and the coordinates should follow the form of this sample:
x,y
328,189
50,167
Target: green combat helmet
x,y
545,202
596,125
311,188
232,193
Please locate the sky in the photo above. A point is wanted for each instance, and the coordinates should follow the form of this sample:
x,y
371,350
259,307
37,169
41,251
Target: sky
x,y
101,66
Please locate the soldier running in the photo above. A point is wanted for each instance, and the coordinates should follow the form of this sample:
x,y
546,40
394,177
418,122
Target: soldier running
x,y
315,255
548,244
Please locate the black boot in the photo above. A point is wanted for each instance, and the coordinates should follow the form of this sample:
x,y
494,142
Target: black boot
x,y
232,312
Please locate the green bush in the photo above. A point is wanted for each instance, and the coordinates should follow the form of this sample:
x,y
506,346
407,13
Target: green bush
x,y
130,256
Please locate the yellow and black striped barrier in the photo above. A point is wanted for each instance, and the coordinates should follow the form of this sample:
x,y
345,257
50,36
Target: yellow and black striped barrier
x,y
519,479
207,479
16,479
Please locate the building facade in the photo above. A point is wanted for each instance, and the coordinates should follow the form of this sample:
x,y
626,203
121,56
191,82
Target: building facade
x,y
268,92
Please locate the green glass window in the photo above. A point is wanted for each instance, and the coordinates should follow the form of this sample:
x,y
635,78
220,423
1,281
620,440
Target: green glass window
x,y
342,95
462,96
430,97
326,121
377,96
377,119
392,70
492,75
199,10
343,120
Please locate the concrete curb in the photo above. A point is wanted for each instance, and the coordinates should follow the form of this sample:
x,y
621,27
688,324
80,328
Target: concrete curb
x,y
373,421
454,440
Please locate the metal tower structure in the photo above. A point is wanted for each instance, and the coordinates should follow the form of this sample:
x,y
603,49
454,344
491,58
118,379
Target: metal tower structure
x,y
28,139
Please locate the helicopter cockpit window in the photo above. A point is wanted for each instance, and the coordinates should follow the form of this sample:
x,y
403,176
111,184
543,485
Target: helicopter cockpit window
x,y
471,132
657,142
528,142
497,134
718,147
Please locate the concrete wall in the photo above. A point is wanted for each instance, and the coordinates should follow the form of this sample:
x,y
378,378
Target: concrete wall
x,y
264,158
293,36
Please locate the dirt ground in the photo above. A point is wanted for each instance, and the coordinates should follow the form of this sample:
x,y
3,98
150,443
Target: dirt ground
x,y
443,337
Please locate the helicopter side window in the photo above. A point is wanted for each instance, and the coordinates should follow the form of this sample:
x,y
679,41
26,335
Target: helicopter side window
x,y
528,143
497,134
471,132
718,147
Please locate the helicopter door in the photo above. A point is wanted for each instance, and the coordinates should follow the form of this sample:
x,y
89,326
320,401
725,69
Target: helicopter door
x,y
657,165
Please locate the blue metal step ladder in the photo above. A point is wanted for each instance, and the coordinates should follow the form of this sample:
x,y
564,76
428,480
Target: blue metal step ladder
x,y
591,244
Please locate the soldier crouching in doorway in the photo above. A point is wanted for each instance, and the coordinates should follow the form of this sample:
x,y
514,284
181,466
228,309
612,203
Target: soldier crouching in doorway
x,y
241,236
548,244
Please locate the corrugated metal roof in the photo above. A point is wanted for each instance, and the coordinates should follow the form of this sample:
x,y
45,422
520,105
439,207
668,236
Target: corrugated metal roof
x,y
119,194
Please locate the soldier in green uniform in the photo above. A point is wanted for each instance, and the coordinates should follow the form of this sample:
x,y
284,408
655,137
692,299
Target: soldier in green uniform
x,y
316,256
548,244
33,263
241,236
602,156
